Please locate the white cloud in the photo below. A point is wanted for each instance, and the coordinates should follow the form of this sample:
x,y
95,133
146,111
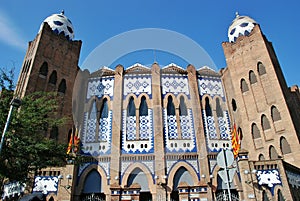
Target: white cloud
x,y
9,34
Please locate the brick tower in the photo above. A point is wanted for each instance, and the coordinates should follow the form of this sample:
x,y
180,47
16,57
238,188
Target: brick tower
x,y
51,64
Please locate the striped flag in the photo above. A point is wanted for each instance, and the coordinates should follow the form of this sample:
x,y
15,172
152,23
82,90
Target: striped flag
x,y
70,145
235,140
76,140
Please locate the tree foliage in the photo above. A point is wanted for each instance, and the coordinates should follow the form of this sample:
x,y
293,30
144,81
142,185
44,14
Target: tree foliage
x,y
26,148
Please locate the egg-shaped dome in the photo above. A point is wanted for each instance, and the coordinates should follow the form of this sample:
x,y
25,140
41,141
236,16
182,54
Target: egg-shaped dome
x,y
241,26
59,23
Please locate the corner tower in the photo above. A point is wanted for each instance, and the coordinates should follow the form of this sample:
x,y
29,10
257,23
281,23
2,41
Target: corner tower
x,y
258,94
51,64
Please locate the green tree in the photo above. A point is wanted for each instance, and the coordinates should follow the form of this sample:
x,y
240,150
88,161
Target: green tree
x,y
27,149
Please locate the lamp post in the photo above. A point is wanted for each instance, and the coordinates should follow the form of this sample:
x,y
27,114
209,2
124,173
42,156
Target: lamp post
x,y
15,102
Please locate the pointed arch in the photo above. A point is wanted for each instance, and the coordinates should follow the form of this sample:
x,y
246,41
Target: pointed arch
x,y
265,122
275,114
143,109
255,131
208,110
182,107
244,86
102,173
189,169
284,146
53,77
261,157
62,86
233,104
170,106
252,77
104,109
261,69
44,70
131,107
219,108
137,167
273,153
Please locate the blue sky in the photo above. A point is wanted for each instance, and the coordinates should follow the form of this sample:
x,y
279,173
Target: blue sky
x,y
205,22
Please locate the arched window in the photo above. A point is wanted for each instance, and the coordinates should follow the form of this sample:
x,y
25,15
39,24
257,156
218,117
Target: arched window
x,y
143,110
234,106
252,77
265,122
170,106
244,86
284,146
207,107
93,111
275,114
44,69
261,157
104,109
273,153
261,68
219,108
182,107
131,107
255,131
53,78
62,86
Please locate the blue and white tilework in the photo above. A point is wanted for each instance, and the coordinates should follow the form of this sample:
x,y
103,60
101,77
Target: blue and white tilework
x,y
270,177
214,141
46,184
187,143
149,164
100,86
145,142
104,165
93,144
211,86
137,84
192,163
175,84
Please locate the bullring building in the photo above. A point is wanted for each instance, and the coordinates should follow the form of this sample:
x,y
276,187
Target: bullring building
x,y
159,132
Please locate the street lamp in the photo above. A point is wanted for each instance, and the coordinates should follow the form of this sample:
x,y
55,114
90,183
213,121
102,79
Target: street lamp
x,y
15,102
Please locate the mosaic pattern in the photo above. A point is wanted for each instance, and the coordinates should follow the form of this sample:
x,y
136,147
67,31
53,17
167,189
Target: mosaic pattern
x,y
187,142
270,177
215,143
148,164
99,87
45,184
91,130
130,143
175,84
172,127
100,144
145,127
137,84
211,86
192,163
211,127
186,127
131,127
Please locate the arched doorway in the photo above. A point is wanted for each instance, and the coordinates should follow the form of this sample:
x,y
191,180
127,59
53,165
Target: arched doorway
x,y
92,190
139,177
181,175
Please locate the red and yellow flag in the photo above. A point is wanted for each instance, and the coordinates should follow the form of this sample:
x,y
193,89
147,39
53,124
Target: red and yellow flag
x,y
70,145
76,141
235,140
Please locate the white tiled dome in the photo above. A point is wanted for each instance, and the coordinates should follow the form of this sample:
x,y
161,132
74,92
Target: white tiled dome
x,y
59,23
241,26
